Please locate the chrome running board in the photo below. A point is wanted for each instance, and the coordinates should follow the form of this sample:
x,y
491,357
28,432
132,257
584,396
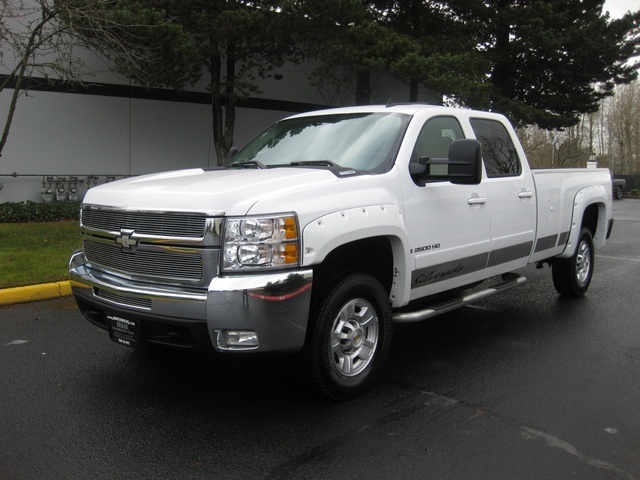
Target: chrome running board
x,y
509,280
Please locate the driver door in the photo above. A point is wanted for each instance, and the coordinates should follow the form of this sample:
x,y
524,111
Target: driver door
x,y
448,225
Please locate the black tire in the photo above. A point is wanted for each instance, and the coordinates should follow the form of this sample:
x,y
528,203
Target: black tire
x,y
348,337
572,276
618,193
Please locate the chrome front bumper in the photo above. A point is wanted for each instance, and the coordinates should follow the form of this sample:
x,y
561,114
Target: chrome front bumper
x,y
274,306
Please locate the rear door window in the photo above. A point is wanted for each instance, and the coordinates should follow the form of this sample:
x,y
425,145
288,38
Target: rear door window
x,y
498,151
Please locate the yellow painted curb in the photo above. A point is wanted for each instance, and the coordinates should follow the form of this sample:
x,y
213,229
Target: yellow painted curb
x,y
32,293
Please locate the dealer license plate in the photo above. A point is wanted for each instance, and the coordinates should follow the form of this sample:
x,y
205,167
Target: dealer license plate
x,y
123,331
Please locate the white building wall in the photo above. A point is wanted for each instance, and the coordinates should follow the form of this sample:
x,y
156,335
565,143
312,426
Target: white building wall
x,y
62,135
168,135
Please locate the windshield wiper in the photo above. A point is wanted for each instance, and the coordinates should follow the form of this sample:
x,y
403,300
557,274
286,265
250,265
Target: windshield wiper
x,y
249,164
315,163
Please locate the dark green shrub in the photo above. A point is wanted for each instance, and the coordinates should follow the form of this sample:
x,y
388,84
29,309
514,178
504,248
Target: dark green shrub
x,y
21,212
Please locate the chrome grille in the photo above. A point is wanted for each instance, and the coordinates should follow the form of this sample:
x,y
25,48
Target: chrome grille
x,y
122,300
168,264
163,224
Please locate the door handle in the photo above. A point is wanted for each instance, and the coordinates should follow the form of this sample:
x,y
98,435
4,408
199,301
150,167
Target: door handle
x,y
476,200
525,194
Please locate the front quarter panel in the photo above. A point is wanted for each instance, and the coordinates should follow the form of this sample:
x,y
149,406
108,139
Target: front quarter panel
x,y
325,234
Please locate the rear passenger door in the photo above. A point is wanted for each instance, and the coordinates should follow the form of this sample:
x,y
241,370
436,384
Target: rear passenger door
x,y
510,196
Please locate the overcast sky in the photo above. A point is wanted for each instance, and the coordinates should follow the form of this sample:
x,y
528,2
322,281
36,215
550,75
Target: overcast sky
x,y
618,8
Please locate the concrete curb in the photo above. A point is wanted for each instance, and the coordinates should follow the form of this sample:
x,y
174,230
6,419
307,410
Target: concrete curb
x,y
31,293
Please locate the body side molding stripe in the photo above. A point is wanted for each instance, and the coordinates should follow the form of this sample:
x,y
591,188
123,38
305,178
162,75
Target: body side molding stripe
x,y
546,243
562,238
508,254
464,266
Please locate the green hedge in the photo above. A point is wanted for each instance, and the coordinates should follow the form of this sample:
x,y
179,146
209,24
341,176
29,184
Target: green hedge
x,y
21,212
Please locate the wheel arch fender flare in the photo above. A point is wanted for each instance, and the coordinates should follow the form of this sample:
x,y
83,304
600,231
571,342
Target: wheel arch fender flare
x,y
329,232
591,208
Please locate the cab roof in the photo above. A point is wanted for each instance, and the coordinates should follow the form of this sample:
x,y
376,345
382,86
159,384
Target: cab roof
x,y
404,108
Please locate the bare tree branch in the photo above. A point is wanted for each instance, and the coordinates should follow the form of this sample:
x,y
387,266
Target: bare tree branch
x,y
38,38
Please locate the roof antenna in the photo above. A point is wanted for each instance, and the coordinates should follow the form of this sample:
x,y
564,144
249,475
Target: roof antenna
x,y
389,102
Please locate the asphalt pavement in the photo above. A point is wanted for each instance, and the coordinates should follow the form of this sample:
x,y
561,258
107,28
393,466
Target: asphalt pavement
x,y
523,385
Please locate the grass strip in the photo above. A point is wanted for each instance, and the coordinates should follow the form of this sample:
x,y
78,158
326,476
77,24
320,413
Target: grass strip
x,y
34,253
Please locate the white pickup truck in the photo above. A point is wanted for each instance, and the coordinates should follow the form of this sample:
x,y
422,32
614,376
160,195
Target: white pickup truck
x,y
325,230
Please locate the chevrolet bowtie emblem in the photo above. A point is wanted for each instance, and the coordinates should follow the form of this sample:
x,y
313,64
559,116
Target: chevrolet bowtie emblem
x,y
127,243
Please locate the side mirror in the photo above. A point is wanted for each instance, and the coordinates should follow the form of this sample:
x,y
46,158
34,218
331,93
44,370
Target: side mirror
x,y
465,162
463,167
232,151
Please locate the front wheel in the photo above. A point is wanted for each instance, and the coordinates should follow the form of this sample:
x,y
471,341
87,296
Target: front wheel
x,y
572,276
349,337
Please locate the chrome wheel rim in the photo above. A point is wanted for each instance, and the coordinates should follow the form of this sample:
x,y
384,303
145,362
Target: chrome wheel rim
x,y
354,337
583,263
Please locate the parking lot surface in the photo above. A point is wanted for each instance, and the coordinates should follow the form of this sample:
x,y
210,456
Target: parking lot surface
x,y
523,385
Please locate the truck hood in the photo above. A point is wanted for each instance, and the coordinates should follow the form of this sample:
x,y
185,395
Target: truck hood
x,y
217,192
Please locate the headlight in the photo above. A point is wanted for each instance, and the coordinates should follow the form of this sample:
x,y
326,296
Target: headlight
x,y
260,242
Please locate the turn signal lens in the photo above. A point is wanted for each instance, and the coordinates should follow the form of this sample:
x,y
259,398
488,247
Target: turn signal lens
x,y
291,254
290,228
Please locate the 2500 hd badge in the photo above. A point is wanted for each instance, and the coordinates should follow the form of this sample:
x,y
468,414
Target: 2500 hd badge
x,y
427,248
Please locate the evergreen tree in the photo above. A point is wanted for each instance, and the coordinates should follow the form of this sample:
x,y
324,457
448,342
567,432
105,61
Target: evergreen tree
x,y
346,41
551,60
444,58
232,43
542,62
417,42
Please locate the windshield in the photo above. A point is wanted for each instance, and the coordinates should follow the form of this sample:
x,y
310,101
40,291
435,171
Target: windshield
x,y
363,142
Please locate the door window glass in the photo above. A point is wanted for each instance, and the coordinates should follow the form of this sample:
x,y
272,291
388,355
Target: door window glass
x,y
435,138
498,151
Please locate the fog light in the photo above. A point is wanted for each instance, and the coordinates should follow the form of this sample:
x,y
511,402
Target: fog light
x,y
236,339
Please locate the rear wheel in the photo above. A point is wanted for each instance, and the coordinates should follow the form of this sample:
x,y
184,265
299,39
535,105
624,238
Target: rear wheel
x,y
618,192
349,337
572,276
